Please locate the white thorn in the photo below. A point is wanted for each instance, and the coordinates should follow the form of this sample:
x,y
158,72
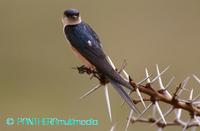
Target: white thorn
x,y
169,83
185,82
178,113
193,128
160,129
143,80
113,66
197,79
196,103
160,112
197,119
145,110
160,81
129,120
166,113
183,86
159,78
147,75
197,97
139,94
185,127
181,100
191,95
111,63
126,75
181,122
90,91
160,74
108,101
113,127
154,112
124,64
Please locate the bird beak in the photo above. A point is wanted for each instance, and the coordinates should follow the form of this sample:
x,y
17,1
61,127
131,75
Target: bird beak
x,y
63,19
63,16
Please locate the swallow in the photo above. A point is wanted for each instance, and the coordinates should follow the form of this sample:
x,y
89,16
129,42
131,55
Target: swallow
x,y
87,46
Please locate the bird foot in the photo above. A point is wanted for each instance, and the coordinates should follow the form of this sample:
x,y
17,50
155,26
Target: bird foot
x,y
83,69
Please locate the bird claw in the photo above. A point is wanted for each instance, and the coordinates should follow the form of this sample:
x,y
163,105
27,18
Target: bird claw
x,y
83,69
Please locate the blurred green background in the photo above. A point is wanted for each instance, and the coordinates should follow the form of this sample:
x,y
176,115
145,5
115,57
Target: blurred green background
x,y
36,76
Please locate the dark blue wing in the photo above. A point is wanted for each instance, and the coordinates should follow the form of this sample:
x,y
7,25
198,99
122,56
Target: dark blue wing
x,y
93,33
79,36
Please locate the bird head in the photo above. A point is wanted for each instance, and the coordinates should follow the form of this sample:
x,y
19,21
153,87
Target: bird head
x,y
71,17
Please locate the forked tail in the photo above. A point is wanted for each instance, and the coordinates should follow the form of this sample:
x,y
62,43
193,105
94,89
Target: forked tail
x,y
124,95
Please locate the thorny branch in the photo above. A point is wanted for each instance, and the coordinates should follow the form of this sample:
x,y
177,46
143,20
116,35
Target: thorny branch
x,y
191,105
